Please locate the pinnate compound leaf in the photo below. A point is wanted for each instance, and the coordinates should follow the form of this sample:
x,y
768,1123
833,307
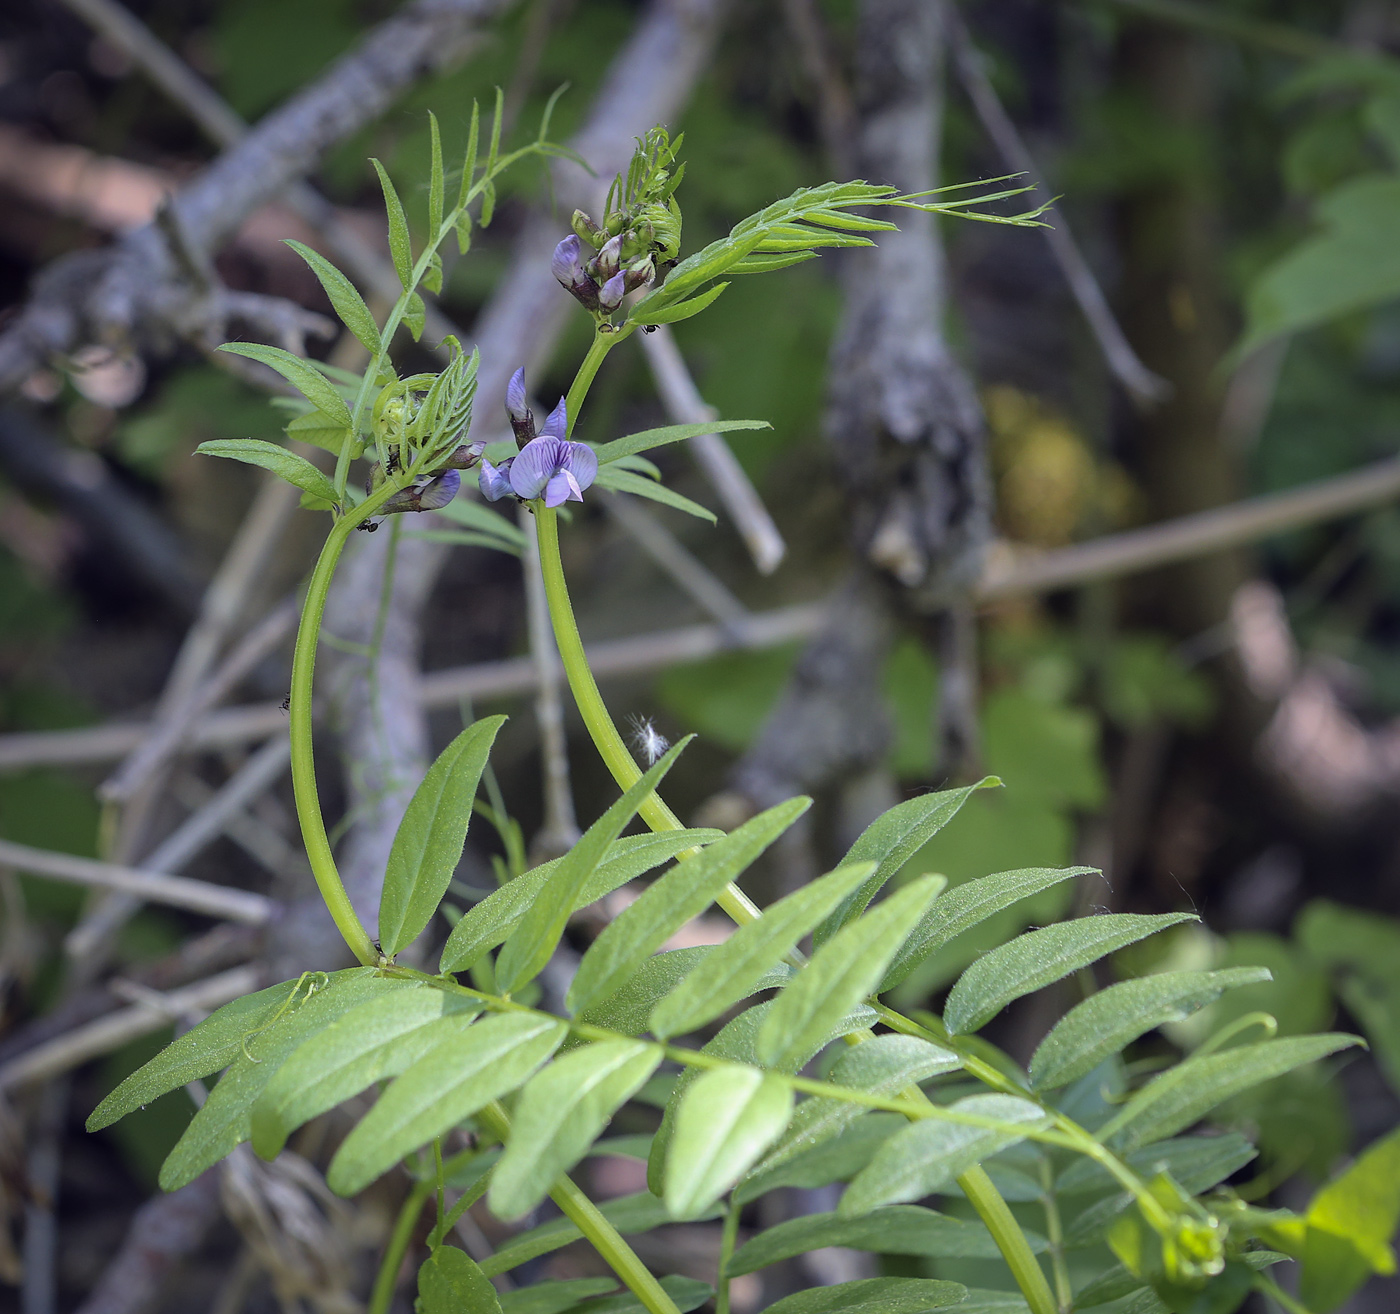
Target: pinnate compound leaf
x,y
927,1155
399,245
728,1117
452,1081
841,973
684,309
203,1050
1109,1020
428,845
226,1119
451,1283
646,439
372,1041
885,1295
300,373
671,901
344,297
529,945
483,926
892,839
964,907
553,1297
629,1009
271,456
727,974
884,1065
1350,1225
1184,1094
893,1230
1038,958
1195,1163
560,1113
836,1159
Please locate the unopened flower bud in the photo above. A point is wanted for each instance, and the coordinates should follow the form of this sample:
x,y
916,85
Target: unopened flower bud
x,y
494,481
609,259
431,496
612,292
522,419
587,230
568,269
465,456
638,274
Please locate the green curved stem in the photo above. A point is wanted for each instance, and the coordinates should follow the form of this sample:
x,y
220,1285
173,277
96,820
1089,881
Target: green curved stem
x,y
308,801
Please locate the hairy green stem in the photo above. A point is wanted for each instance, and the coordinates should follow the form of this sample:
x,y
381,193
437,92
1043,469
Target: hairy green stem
x,y
387,1279
996,1214
1055,1235
589,1219
728,1235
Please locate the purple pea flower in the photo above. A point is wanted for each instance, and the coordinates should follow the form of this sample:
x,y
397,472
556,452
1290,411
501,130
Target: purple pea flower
x,y
611,294
433,495
567,267
551,466
494,480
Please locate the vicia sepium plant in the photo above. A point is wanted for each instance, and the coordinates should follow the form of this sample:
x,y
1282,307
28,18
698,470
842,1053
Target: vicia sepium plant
x,y
1085,1175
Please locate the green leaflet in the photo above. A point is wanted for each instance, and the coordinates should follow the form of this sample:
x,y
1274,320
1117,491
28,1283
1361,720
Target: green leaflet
x,y
671,901
1185,1093
625,481
767,263
428,845
682,309
318,429
451,1283
727,974
644,440
735,1041
628,1010
449,1083
1106,1022
727,1118
842,972
203,1050
630,1214
225,1121
483,926
835,1159
344,297
885,1295
968,904
1196,1163
560,1113
930,1153
884,1065
894,1230
553,1297
436,181
270,456
301,374
891,840
528,947
1037,958
372,1041
399,245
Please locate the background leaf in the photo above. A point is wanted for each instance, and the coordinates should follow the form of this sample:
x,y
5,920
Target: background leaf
x,y
449,1282
429,841
886,1295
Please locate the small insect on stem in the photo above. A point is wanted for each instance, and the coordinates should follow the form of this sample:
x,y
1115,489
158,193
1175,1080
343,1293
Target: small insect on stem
x,y
647,740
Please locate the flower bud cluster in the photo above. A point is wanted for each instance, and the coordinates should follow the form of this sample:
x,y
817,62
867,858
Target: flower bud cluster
x,y
640,233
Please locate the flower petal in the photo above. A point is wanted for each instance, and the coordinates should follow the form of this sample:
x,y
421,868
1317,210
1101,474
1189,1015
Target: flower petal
x,y
611,293
440,491
515,396
538,462
566,265
494,481
556,424
562,488
582,463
